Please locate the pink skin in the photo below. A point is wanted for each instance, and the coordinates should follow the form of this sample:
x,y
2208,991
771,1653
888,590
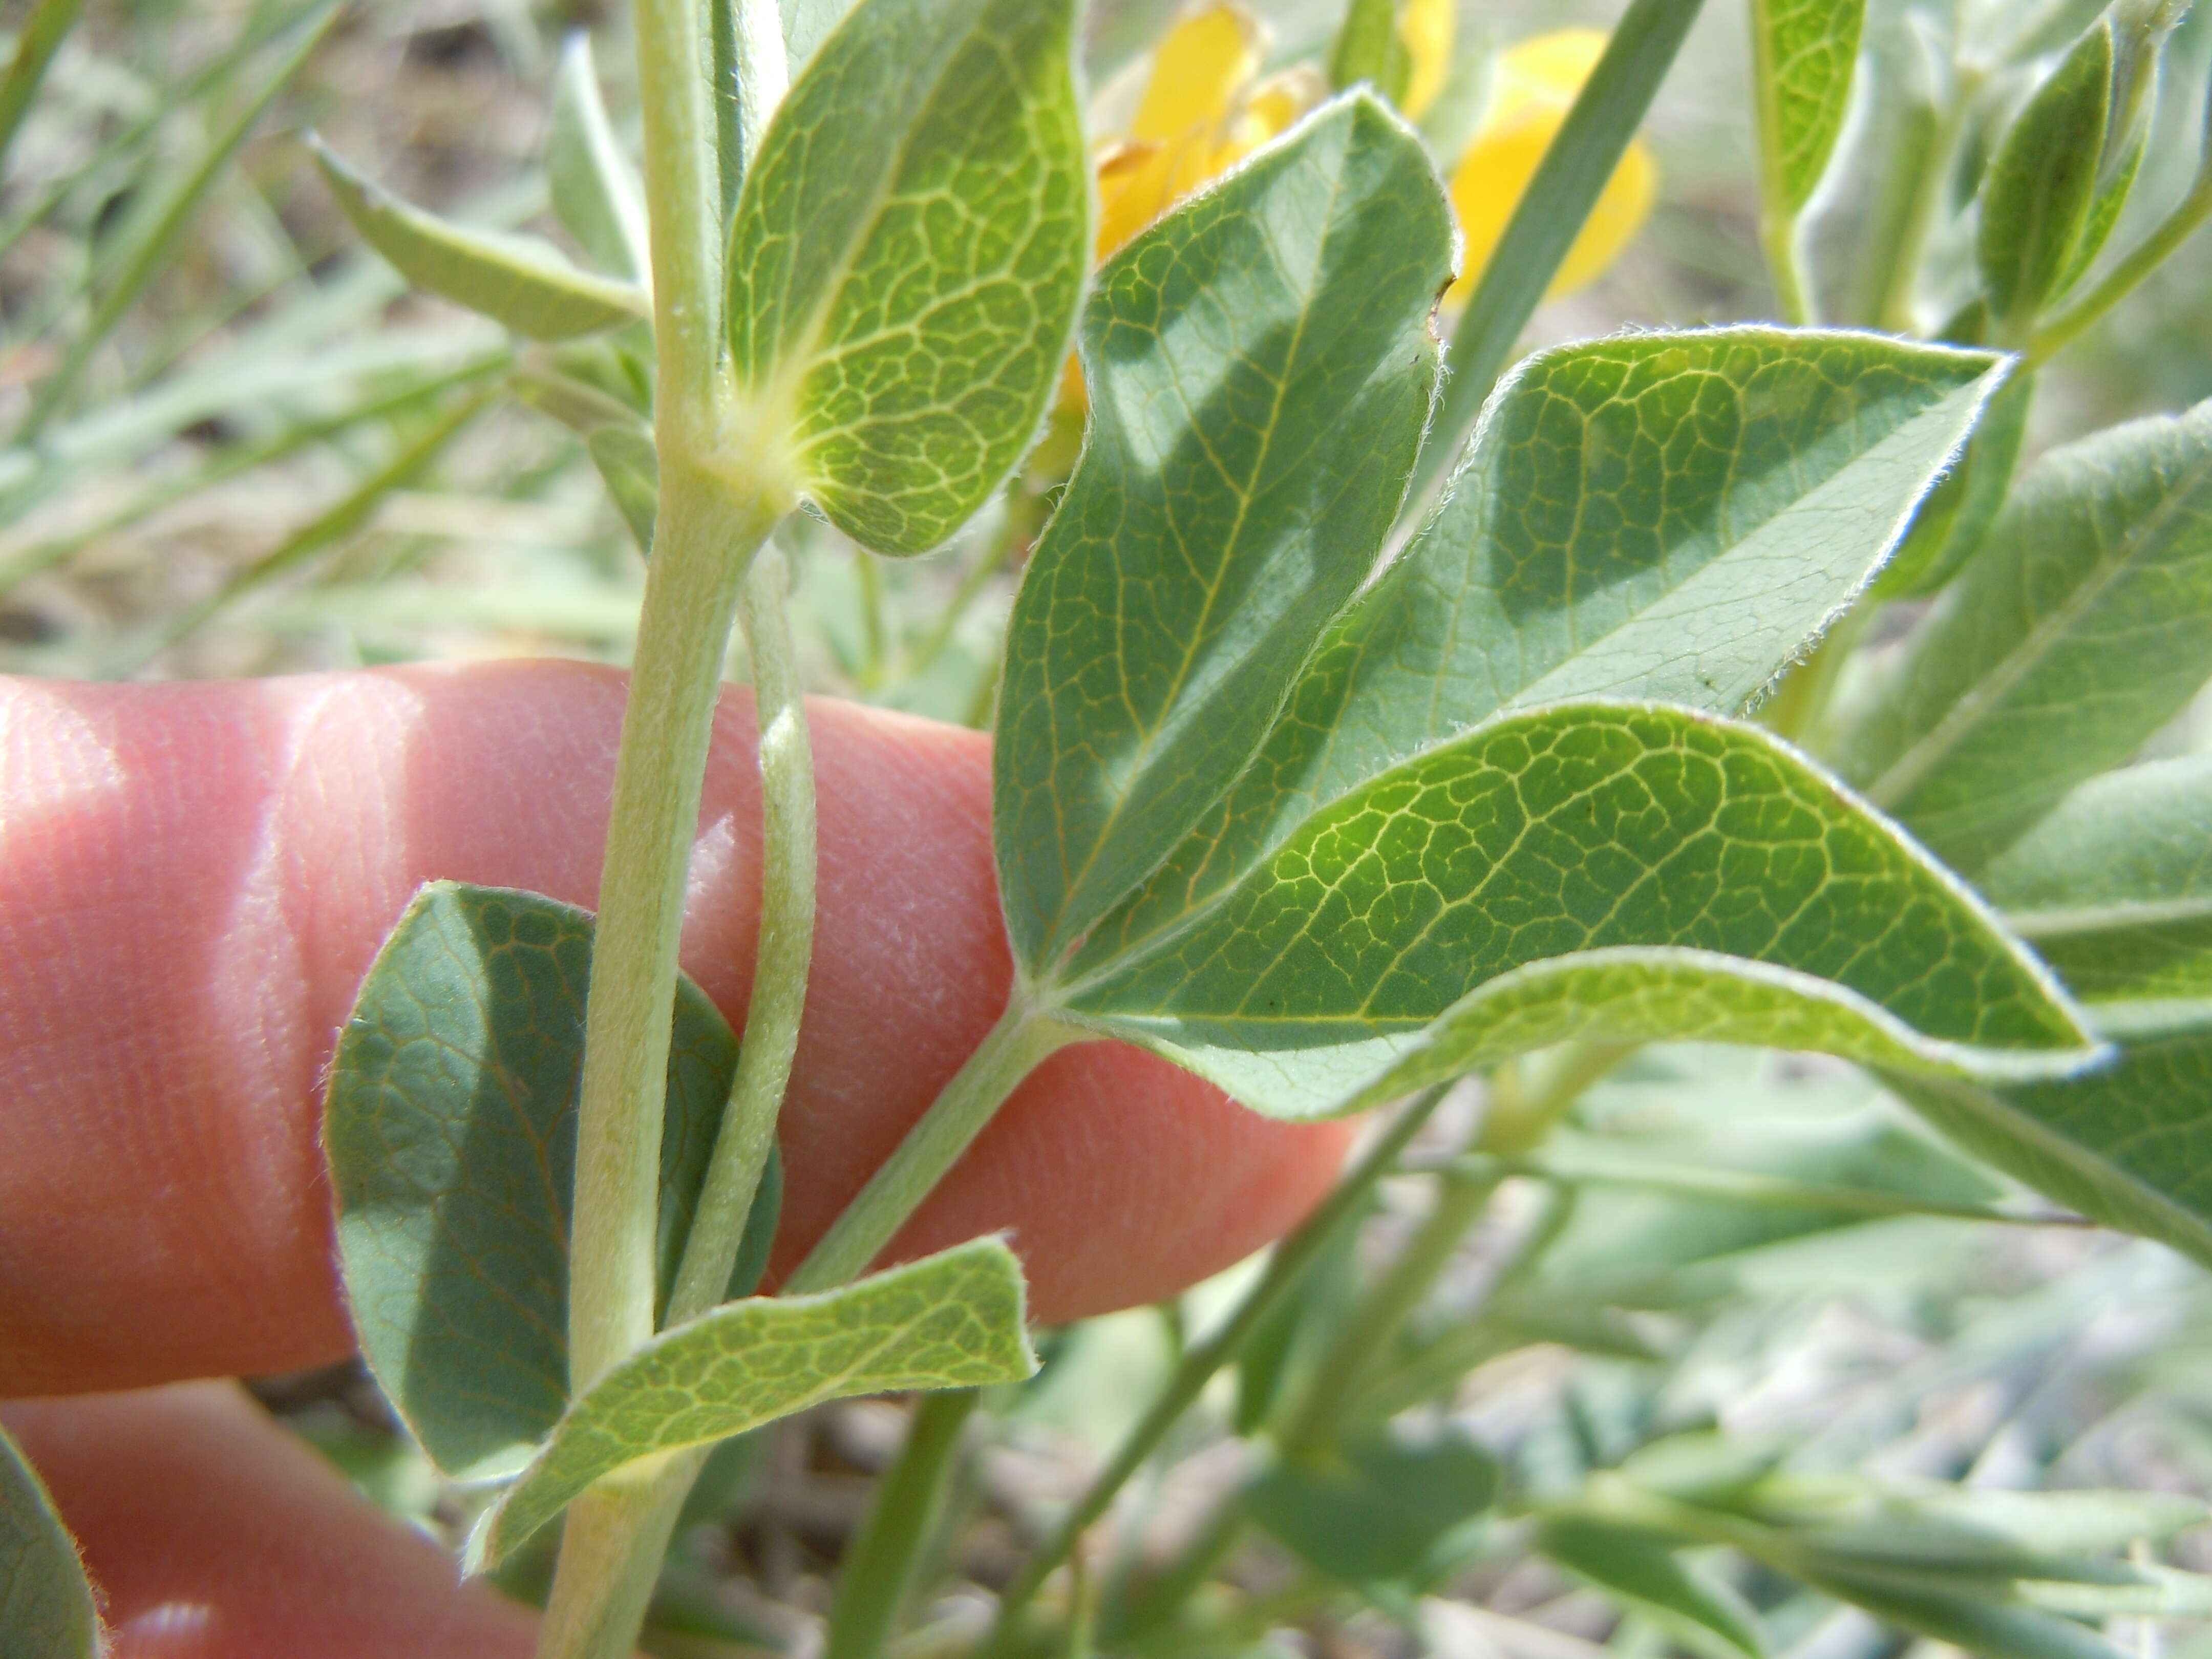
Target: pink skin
x,y
193,880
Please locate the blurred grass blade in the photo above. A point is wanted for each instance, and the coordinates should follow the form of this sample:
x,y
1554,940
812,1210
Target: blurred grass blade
x,y
132,135
596,192
334,525
44,554
157,244
43,33
1704,1614
517,281
1544,227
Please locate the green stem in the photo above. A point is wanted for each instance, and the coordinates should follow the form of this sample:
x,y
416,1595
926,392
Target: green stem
x,y
1894,308
878,1570
612,1540
871,618
1785,267
683,200
1521,1112
1021,1039
704,543
1014,527
2123,279
1286,1266
780,960
1528,1103
1361,1347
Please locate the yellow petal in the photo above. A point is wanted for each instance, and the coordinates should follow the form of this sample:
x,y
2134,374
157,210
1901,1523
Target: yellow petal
x,y
1557,63
1270,109
1132,180
1427,27
1536,84
1197,71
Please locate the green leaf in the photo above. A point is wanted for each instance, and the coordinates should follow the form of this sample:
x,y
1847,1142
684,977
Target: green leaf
x,y
1954,519
2114,887
906,258
2082,627
1259,368
450,1133
1646,1577
2139,29
46,1605
2042,184
2129,1145
1385,1507
951,1320
1965,1616
1583,828
517,281
1369,48
1665,516
595,190
1805,51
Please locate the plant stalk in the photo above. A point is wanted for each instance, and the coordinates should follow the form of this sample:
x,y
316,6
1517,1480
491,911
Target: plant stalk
x,y
781,959
1364,1343
1016,1045
683,202
2178,227
1785,267
1518,1117
1207,1356
908,1503
704,544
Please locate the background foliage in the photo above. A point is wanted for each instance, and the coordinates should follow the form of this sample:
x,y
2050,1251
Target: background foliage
x,y
234,444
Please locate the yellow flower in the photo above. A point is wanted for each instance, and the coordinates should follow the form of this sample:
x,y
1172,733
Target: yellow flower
x,y
1204,108
1536,86
1427,27
1203,111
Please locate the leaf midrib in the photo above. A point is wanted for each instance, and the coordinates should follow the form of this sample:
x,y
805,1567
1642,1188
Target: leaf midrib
x,y
1524,699
780,390
823,1389
1056,941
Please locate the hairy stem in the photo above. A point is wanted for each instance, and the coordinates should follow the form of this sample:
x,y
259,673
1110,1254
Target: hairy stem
x,y
1209,1355
703,544
907,1504
780,960
1021,1039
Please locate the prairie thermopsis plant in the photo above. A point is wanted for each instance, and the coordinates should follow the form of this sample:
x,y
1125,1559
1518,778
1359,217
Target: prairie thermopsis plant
x,y
1346,744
